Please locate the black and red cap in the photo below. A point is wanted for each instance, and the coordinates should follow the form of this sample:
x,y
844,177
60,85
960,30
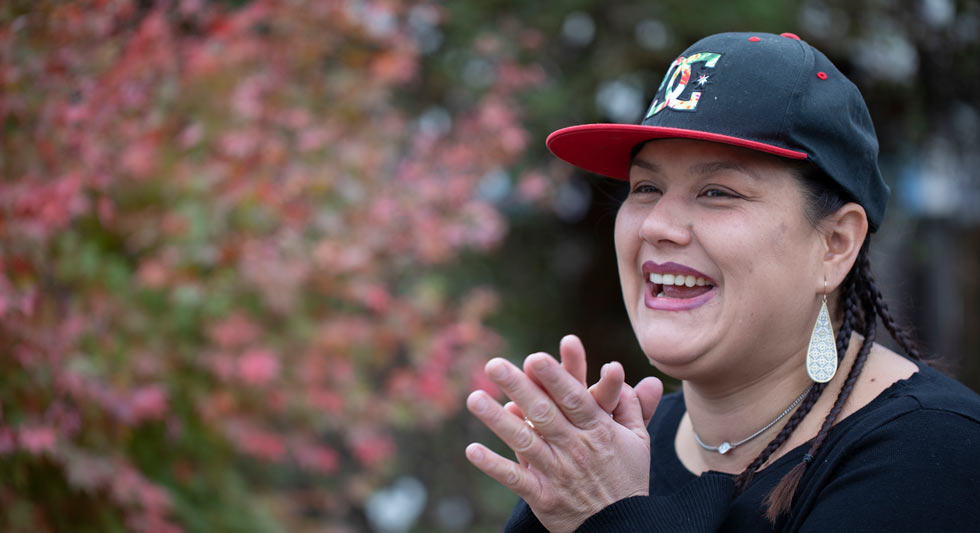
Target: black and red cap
x,y
771,93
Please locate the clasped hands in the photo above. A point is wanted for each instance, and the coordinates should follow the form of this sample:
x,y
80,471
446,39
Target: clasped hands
x,y
584,449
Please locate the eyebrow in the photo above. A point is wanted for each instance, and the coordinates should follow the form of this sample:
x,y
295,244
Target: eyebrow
x,y
642,163
714,166
700,169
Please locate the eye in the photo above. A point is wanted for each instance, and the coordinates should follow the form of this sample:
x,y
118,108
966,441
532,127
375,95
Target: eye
x,y
644,188
716,192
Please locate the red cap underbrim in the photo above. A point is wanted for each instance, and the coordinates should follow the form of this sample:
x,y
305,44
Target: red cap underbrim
x,y
605,148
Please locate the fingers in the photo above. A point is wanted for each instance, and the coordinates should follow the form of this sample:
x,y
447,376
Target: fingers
x,y
513,409
570,395
649,391
531,399
606,390
512,430
508,473
572,354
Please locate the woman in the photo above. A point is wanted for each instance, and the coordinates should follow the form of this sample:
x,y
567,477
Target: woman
x,y
742,248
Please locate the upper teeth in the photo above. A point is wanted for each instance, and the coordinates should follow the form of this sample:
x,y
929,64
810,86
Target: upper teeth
x,y
678,279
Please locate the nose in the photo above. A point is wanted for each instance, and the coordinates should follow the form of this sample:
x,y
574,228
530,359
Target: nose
x,y
667,222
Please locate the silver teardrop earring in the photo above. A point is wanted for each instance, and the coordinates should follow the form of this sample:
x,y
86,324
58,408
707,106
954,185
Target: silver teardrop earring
x,y
821,354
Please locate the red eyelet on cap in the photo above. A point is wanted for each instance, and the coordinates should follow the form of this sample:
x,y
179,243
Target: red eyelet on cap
x,y
789,35
754,39
822,75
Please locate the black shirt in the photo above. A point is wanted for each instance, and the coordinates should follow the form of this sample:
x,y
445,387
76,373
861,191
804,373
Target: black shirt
x,y
907,461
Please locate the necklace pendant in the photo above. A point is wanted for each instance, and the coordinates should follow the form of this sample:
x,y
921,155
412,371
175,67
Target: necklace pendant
x,y
724,448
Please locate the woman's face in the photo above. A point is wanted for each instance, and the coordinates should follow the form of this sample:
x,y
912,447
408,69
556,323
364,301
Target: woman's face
x,y
729,223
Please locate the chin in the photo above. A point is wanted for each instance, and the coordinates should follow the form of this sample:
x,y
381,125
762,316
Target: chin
x,y
670,354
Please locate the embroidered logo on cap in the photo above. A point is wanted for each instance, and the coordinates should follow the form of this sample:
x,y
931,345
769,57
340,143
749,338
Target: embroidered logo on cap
x,y
676,80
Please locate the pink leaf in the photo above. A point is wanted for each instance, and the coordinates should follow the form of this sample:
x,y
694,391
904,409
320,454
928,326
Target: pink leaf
x,y
258,367
37,439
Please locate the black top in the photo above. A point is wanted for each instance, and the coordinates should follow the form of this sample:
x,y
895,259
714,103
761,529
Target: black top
x,y
907,461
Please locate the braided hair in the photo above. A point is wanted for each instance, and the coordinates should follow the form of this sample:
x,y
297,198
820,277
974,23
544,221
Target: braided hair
x,y
861,304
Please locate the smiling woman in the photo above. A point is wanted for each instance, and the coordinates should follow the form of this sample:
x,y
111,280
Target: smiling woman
x,y
742,247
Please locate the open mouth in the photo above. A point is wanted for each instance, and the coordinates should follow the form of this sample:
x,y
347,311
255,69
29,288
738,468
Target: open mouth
x,y
679,286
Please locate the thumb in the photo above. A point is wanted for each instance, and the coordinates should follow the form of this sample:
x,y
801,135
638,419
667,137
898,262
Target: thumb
x,y
606,390
628,412
649,391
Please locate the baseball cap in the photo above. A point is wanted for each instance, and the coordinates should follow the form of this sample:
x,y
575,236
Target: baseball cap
x,y
766,92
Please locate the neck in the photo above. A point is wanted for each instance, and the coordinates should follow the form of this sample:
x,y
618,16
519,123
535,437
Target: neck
x,y
731,412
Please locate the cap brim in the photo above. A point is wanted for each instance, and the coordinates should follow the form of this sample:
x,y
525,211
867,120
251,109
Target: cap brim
x,y
605,148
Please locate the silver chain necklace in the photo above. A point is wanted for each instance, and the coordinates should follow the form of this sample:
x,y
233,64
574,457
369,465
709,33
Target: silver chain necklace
x,y
726,446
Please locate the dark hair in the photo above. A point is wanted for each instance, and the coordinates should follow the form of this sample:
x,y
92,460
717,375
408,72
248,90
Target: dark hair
x,y
860,305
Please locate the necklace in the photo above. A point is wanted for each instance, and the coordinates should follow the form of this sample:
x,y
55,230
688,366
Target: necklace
x,y
726,446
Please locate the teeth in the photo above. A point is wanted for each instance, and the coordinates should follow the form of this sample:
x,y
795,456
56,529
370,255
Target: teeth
x,y
679,280
661,294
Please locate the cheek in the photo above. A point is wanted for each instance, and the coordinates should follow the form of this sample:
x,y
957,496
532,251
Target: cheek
x,y
626,234
775,258
621,235
627,242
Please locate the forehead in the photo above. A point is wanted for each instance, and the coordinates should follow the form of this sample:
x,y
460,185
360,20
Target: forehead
x,y
701,157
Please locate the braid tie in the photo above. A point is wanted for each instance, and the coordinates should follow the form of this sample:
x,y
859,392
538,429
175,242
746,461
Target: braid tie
x,y
743,479
843,342
843,339
861,304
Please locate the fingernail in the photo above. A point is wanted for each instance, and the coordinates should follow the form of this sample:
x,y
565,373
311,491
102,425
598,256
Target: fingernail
x,y
480,404
496,370
476,453
602,371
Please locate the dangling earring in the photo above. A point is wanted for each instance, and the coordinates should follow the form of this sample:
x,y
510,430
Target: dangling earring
x,y
821,354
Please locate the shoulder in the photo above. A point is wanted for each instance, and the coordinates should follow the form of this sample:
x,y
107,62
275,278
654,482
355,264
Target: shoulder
x,y
936,391
929,393
924,407
891,385
912,448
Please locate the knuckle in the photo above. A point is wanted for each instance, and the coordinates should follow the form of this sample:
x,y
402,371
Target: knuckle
x,y
523,439
573,401
601,436
580,455
512,477
541,413
547,504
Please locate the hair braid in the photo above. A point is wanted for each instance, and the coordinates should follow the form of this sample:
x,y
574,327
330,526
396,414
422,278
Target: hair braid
x,y
843,342
897,332
861,303
809,401
781,498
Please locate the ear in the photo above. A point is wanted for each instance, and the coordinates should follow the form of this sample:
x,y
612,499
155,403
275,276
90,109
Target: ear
x,y
843,234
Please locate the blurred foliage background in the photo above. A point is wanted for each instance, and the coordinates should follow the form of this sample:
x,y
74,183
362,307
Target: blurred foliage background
x,y
253,254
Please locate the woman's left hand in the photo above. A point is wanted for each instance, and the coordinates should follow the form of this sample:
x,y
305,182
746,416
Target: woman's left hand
x,y
577,459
